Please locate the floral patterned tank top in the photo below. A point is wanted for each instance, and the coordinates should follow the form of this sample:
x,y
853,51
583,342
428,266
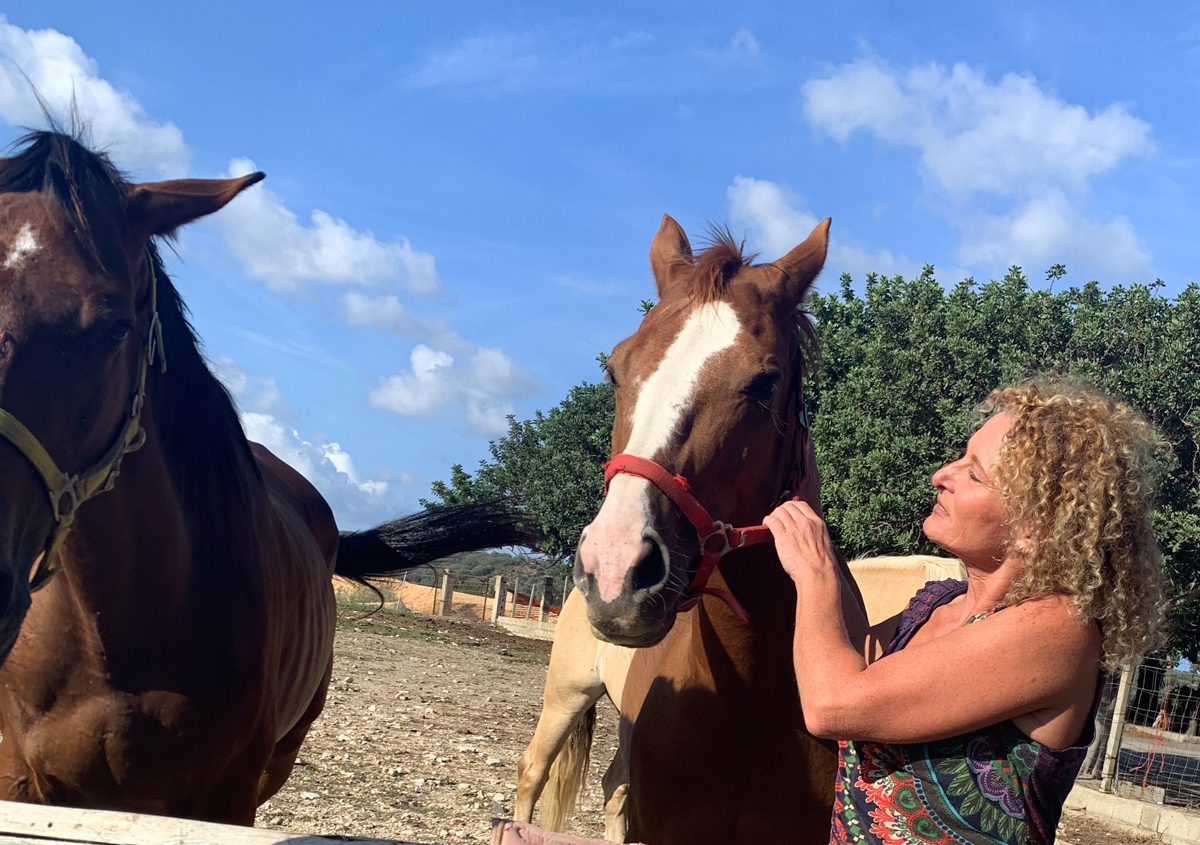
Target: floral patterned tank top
x,y
993,786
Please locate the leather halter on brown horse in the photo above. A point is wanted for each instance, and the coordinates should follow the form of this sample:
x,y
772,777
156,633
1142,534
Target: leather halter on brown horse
x,y
175,664
717,538
100,477
716,744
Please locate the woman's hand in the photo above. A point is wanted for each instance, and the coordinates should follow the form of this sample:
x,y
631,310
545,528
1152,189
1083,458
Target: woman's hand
x,y
801,540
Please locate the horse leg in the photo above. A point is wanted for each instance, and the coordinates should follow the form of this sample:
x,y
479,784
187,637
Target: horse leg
x,y
616,791
573,686
17,780
283,759
562,711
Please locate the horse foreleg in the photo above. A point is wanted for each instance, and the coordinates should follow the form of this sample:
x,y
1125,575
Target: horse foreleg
x,y
616,791
562,713
283,759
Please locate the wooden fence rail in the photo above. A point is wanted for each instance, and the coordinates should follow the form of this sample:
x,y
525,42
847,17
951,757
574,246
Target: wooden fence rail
x,y
34,824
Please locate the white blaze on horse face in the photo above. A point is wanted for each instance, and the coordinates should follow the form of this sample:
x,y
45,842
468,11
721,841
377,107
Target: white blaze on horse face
x,y
614,541
24,246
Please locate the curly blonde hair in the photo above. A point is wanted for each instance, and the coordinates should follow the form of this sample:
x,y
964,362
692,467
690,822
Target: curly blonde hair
x,y
1074,471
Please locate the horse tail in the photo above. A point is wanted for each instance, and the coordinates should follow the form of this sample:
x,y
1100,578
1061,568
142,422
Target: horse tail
x,y
427,536
568,774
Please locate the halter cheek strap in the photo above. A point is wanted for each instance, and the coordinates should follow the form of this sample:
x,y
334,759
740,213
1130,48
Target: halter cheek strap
x,y
68,492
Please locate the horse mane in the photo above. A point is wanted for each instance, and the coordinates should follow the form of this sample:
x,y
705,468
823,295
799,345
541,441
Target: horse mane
x,y
197,423
723,256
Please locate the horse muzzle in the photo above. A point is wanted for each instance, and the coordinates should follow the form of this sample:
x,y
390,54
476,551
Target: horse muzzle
x,y
628,586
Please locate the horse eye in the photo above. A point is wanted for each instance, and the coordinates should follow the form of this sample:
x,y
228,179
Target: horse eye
x,y
610,377
112,335
762,387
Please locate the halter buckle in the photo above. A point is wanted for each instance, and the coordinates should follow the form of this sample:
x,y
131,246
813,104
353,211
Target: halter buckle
x,y
722,530
66,492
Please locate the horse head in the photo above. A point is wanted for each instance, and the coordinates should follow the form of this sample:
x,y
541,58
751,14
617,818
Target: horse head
x,y
708,388
79,336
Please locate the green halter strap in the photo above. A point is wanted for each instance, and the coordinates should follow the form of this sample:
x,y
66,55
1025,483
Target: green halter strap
x,y
68,492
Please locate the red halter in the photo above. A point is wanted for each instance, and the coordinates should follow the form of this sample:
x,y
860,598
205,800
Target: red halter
x,y
716,538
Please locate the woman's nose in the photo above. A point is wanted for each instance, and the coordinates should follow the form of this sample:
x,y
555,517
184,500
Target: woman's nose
x,y
940,475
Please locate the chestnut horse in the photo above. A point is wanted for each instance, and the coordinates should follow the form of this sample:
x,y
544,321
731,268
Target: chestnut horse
x,y
709,421
584,668
175,663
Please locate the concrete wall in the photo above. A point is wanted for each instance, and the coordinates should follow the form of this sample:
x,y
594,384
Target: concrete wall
x,y
1169,824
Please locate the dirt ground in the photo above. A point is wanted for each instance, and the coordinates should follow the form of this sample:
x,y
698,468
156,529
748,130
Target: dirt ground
x,y
425,722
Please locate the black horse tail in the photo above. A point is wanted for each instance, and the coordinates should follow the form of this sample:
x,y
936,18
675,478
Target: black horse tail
x,y
428,536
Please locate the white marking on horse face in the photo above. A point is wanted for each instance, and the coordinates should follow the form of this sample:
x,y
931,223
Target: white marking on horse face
x,y
613,542
24,246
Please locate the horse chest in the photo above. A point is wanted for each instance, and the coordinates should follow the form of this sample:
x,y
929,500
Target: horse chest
x,y
718,748
108,745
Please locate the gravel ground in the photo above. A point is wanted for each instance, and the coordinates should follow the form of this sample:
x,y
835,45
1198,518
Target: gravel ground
x,y
420,737
425,722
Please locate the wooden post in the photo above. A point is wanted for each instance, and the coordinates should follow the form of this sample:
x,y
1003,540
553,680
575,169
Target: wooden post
x,y
447,593
1118,728
498,605
512,611
544,609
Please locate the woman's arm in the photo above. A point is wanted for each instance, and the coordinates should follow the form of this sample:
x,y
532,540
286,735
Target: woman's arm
x,y
1029,658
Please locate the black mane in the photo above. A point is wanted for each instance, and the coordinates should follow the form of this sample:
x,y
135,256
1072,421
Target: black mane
x,y
206,451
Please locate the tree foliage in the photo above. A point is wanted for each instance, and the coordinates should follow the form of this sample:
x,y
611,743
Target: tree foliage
x,y
902,367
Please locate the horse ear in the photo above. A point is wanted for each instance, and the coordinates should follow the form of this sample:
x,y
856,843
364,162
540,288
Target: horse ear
x,y
803,264
669,248
159,208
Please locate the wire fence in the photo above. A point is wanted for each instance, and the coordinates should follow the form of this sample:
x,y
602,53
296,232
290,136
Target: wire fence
x,y
1148,736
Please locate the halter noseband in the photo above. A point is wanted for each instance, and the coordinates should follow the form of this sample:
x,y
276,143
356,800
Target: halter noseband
x,y
717,538
68,492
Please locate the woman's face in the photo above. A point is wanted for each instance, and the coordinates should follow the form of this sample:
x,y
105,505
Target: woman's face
x,y
969,520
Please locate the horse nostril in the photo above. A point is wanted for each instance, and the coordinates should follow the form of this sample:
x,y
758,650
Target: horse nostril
x,y
651,571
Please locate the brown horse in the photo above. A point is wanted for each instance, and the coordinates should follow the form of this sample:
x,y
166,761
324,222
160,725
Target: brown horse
x,y
176,663
708,389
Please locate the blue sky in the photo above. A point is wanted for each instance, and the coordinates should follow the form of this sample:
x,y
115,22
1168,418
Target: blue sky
x,y
460,196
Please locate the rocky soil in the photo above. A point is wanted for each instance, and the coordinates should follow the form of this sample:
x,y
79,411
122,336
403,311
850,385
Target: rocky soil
x,y
420,737
425,722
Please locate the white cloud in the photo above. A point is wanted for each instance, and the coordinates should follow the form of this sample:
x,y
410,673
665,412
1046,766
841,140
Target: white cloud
x,y
777,225
975,135
482,385
59,70
356,501
255,394
626,62
274,246
1029,152
391,315
744,43
1047,230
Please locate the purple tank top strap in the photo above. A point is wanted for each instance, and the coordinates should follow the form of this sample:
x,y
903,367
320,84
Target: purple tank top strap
x,y
928,599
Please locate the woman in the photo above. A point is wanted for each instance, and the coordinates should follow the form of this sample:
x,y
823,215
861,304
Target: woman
x,y
971,725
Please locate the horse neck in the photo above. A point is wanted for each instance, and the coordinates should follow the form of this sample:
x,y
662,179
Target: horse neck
x,y
142,557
